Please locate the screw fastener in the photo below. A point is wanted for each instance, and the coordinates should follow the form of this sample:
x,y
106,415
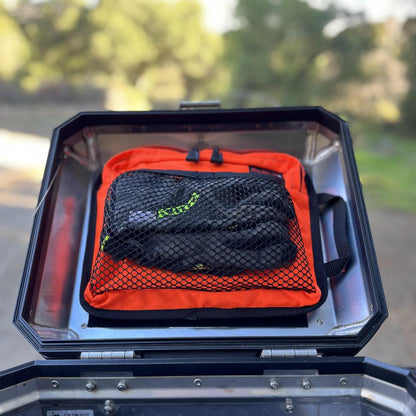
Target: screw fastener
x,y
90,386
108,407
198,382
274,384
122,386
343,381
290,407
306,384
54,384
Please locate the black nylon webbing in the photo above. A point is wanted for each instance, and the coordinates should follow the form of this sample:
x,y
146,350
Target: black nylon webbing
x,y
339,208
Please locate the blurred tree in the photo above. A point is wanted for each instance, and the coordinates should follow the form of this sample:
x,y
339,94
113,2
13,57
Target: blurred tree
x,y
376,87
275,49
15,50
409,57
144,53
58,33
282,48
158,49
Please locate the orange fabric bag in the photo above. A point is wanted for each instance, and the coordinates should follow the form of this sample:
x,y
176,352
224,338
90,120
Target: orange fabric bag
x,y
158,262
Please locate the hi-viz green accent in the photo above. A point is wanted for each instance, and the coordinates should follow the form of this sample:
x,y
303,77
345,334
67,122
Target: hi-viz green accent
x,y
180,209
200,267
106,238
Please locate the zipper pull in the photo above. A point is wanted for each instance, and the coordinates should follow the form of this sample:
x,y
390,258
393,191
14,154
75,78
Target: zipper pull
x,y
216,156
193,155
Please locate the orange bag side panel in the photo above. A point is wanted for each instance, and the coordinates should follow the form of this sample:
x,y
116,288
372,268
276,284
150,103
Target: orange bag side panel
x,y
171,299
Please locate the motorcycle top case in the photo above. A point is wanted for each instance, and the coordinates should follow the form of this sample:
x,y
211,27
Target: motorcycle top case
x,y
200,230
206,260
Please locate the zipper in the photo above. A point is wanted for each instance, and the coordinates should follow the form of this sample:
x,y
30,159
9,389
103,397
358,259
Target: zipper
x,y
174,148
226,149
240,152
209,175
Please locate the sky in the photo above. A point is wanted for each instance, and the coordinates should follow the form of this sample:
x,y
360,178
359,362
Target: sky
x,y
218,14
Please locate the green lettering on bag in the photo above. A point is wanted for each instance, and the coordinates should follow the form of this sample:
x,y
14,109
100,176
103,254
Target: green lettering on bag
x,y
106,238
180,209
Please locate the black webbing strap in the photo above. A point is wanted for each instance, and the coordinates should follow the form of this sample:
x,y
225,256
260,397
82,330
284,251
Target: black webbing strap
x,y
339,209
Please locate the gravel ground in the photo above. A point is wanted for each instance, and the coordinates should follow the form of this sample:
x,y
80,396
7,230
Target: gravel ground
x,y
393,232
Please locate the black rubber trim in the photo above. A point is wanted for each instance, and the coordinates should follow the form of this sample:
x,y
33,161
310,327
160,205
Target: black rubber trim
x,y
197,315
292,321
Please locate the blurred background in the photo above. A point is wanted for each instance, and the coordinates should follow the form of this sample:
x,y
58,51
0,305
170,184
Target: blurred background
x,y
356,58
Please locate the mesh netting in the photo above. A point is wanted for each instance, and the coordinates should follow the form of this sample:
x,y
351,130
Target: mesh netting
x,y
200,231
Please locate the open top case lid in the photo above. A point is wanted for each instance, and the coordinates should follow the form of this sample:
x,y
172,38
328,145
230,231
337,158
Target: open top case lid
x,y
49,312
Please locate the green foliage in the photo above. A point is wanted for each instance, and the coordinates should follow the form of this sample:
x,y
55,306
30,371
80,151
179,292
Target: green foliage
x,y
284,50
372,88
144,53
348,48
387,172
409,56
154,53
58,34
155,47
279,49
13,46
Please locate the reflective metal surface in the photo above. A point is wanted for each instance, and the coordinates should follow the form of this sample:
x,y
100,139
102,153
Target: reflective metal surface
x,y
310,394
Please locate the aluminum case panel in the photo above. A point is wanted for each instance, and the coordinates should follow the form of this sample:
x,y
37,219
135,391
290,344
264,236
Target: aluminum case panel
x,y
226,386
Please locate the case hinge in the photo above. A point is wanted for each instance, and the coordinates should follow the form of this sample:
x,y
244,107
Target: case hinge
x,y
289,353
108,355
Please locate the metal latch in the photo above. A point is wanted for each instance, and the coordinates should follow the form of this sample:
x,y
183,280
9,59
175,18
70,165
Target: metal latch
x,y
200,105
289,353
108,355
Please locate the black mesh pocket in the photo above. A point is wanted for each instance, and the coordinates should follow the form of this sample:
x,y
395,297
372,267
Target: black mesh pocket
x,y
203,231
